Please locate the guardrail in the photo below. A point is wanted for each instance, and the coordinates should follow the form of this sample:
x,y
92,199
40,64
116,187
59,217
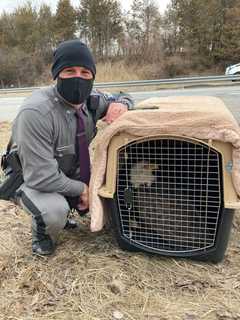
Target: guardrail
x,y
144,83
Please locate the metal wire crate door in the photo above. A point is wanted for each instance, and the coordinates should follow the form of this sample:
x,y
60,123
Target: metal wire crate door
x,y
169,194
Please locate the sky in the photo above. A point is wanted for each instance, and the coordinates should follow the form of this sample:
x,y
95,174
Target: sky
x,y
9,5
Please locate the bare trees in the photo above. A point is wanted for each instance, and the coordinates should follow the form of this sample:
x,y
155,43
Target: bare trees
x,y
65,26
196,33
101,26
143,31
207,29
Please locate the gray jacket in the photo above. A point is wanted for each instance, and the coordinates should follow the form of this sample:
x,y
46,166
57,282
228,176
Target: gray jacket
x,y
44,134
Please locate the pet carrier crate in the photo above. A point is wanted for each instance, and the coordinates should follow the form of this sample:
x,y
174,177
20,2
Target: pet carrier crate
x,y
170,195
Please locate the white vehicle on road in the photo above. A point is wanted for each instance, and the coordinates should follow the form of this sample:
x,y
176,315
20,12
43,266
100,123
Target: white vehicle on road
x,y
233,70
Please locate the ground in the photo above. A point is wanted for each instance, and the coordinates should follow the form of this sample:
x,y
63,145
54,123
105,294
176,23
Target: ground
x,y
90,278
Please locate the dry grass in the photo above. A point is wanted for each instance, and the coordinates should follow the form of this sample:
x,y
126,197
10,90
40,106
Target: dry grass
x,y
115,71
89,277
120,71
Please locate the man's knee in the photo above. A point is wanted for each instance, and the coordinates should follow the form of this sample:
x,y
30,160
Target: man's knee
x,y
55,216
49,210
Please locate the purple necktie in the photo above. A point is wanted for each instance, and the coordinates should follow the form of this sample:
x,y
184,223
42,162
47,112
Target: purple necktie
x,y
82,151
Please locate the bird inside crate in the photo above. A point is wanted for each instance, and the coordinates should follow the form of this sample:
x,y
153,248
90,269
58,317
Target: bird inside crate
x,y
171,194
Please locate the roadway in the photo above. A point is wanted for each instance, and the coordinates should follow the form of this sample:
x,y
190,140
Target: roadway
x,y
230,95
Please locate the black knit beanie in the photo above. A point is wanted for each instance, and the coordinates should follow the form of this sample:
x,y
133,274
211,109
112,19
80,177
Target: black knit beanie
x,y
72,53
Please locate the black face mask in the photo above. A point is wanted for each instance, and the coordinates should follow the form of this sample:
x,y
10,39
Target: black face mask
x,y
74,90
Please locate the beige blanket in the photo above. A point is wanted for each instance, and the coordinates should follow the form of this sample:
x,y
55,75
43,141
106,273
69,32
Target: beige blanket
x,y
197,117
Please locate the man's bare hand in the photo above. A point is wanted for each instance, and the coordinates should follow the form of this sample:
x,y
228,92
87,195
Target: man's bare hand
x,y
84,199
115,110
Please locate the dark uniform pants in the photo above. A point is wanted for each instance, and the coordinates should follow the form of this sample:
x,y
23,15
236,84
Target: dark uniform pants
x,y
49,212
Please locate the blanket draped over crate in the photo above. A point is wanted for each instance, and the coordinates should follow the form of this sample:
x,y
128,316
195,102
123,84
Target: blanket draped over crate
x,y
195,117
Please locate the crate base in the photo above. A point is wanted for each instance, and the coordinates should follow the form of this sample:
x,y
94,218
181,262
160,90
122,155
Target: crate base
x,y
214,254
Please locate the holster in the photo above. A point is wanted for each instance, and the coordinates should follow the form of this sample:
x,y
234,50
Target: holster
x,y
13,177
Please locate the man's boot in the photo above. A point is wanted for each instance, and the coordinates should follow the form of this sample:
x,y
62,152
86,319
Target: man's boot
x,y
42,245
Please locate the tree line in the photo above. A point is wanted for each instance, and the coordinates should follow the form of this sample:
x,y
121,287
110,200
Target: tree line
x,y
191,36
